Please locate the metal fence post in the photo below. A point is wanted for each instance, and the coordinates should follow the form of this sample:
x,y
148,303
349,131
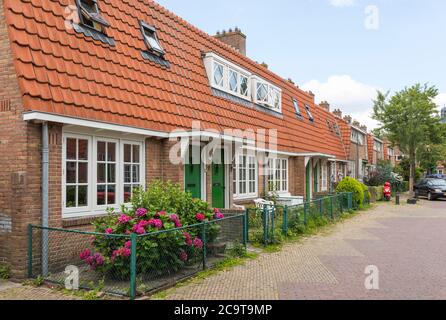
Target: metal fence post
x,y
265,224
306,213
341,203
134,239
321,206
285,220
203,238
245,234
30,251
331,208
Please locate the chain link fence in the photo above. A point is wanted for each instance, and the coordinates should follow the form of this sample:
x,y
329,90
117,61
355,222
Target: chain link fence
x,y
273,222
131,265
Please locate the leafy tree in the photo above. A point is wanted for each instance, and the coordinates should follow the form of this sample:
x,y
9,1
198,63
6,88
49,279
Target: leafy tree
x,y
410,119
430,155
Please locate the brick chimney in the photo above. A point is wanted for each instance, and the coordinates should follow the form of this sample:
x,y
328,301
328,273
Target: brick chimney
x,y
348,119
338,113
363,128
356,124
325,105
234,38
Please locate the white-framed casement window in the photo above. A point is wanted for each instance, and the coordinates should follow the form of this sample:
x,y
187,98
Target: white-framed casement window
x,y
324,176
227,76
245,177
278,175
357,137
267,94
351,169
99,173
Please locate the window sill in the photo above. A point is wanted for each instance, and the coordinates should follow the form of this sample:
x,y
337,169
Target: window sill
x,y
245,198
69,222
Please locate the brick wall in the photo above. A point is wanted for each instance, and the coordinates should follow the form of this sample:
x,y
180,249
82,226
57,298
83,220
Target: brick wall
x,y
19,187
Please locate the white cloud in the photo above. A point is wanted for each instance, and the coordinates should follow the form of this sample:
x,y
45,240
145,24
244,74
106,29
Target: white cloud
x,y
352,97
441,100
342,3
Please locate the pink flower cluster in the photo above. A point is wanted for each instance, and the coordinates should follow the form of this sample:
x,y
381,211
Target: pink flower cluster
x,y
141,212
188,238
156,223
124,219
176,220
160,214
109,231
95,260
140,227
217,214
200,217
183,256
123,252
197,243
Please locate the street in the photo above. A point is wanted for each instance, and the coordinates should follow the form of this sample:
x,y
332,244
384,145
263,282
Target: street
x,y
405,244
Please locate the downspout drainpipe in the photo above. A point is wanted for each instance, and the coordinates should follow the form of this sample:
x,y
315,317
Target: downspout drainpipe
x,y
45,184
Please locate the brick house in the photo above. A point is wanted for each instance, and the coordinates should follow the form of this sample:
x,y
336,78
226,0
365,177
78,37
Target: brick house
x,y
98,95
355,143
376,151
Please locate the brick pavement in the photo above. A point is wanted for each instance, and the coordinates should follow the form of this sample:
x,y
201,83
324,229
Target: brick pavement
x,y
406,243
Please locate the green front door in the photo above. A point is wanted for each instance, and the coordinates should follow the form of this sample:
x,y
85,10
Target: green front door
x,y
218,185
308,181
193,178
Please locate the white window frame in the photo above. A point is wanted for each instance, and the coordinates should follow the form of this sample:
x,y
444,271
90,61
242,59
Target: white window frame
x,y
238,195
324,176
95,171
272,94
93,209
351,166
272,174
211,60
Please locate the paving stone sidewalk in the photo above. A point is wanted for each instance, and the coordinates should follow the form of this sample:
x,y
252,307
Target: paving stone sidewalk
x,y
406,243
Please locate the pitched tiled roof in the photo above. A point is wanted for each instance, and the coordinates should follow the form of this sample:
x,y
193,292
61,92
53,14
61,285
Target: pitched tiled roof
x,y
65,72
346,131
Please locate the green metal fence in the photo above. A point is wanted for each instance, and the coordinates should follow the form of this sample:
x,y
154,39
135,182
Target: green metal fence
x,y
132,265
274,221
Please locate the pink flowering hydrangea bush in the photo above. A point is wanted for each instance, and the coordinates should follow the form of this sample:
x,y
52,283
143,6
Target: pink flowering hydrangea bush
x,y
153,213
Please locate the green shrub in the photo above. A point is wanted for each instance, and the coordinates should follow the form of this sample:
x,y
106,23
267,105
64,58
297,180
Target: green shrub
x,y
163,206
4,271
349,184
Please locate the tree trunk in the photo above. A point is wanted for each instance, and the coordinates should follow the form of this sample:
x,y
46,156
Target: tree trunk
x,y
412,173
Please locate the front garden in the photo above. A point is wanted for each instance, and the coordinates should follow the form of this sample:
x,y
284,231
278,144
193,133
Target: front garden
x,y
162,237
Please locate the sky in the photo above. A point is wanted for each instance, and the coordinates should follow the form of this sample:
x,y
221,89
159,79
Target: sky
x,y
342,50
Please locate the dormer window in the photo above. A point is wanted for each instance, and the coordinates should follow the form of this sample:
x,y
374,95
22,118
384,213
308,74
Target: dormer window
x,y
266,94
297,108
227,77
151,39
90,16
310,115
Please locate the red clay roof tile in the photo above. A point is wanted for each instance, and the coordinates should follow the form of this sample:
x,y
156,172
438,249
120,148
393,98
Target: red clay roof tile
x,y
68,73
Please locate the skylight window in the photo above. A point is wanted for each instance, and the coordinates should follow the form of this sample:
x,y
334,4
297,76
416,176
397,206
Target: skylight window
x,y
151,39
297,108
90,16
310,115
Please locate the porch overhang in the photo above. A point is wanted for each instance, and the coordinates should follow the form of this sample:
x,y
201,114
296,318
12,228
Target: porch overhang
x,y
50,117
